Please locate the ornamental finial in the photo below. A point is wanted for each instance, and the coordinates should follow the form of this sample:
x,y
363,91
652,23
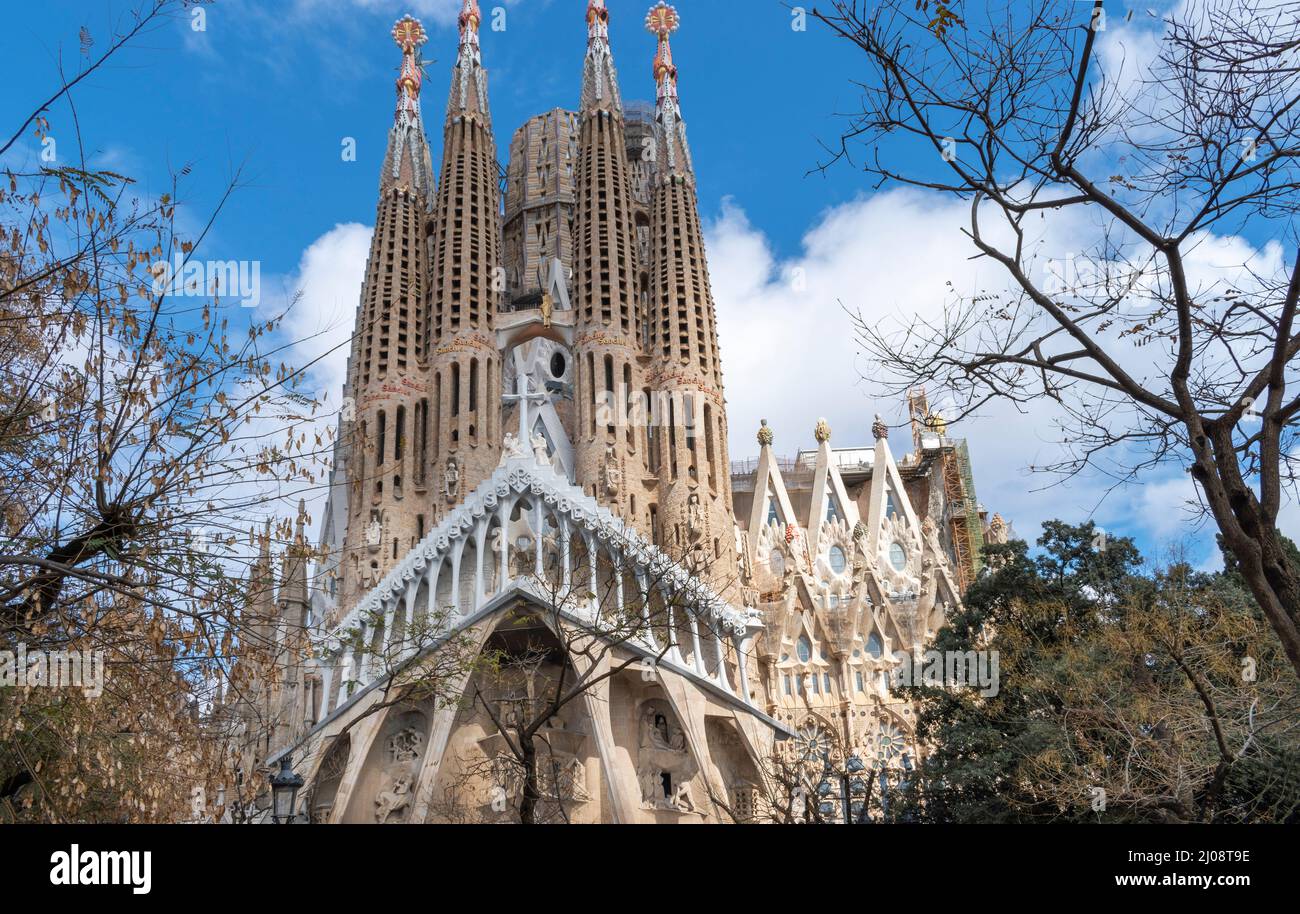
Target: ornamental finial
x,y
765,435
470,17
879,428
597,20
823,431
409,35
661,22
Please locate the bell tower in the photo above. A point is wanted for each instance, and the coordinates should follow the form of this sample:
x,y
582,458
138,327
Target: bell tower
x,y
689,449
609,438
467,283
384,432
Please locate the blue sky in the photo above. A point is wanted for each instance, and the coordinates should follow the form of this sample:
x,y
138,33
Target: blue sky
x,y
276,87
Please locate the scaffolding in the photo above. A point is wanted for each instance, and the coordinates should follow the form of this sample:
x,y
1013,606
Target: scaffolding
x,y
965,527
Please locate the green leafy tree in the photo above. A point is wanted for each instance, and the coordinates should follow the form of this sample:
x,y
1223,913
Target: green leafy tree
x,y
1124,696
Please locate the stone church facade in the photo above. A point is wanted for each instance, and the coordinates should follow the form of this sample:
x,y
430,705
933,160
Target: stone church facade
x,y
533,459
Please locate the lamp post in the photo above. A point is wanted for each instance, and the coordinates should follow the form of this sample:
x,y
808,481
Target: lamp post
x,y
853,790
285,785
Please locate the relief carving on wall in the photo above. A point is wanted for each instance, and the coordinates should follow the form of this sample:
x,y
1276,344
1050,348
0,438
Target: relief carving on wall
x,y
664,764
404,751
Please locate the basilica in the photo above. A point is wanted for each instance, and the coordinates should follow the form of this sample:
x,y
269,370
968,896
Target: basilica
x,y
543,591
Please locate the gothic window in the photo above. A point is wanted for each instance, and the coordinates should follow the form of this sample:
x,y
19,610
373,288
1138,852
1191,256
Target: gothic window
x,y
804,648
838,560
898,556
858,677
890,509
874,646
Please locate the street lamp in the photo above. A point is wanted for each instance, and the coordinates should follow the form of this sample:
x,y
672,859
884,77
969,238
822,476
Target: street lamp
x,y
853,790
285,785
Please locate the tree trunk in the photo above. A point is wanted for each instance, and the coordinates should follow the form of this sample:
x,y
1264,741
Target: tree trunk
x,y
1253,539
528,802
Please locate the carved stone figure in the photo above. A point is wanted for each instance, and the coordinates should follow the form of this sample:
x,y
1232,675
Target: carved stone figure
x,y
664,765
612,472
682,799
694,516
374,533
574,776
405,746
548,309
511,447
451,480
396,798
541,450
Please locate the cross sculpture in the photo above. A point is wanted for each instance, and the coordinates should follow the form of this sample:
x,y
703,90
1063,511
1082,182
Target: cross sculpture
x,y
523,398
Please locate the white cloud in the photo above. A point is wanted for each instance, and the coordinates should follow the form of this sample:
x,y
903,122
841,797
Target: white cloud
x,y
790,356
328,289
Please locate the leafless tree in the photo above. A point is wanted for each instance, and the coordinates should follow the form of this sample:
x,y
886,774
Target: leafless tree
x,y
145,431
1151,355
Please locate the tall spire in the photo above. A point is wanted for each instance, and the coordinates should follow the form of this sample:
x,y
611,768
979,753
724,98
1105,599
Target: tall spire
x,y
469,96
599,78
385,376
695,508
465,285
407,165
675,154
409,35
610,453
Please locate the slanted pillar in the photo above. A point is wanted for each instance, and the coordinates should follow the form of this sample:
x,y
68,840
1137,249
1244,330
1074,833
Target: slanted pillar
x,y
695,643
480,536
503,518
566,557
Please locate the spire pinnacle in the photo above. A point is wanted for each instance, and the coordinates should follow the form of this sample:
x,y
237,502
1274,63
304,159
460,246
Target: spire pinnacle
x,y
661,22
470,19
670,131
599,79
469,80
409,35
597,21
